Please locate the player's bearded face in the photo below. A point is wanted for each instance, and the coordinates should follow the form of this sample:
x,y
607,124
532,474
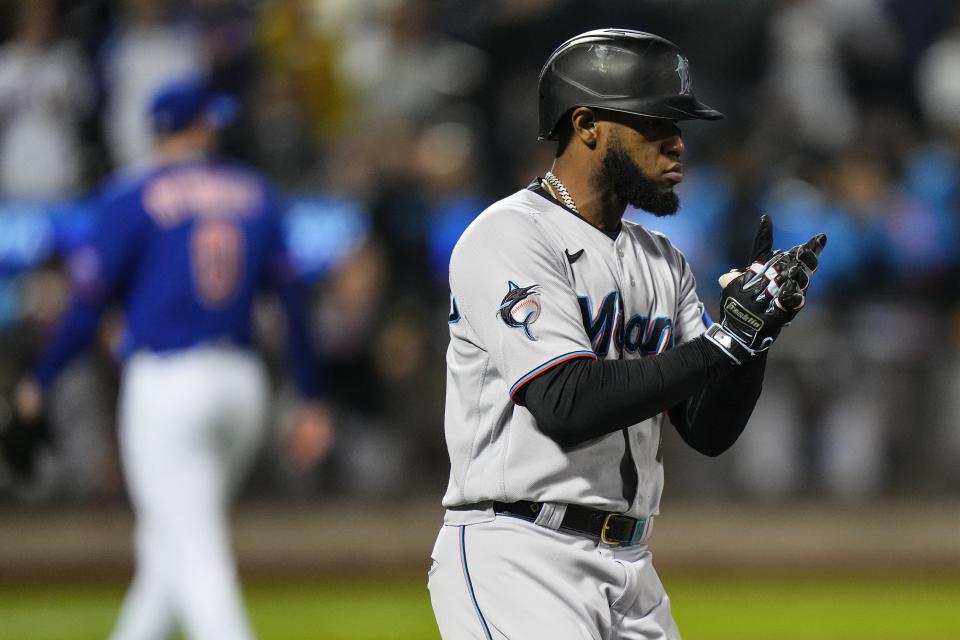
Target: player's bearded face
x,y
622,178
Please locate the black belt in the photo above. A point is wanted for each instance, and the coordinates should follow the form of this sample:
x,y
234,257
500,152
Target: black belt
x,y
609,527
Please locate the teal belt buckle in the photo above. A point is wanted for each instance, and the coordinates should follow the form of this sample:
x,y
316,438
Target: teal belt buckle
x,y
639,524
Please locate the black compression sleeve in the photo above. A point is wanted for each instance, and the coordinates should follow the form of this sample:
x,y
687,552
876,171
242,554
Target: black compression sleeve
x,y
584,399
711,420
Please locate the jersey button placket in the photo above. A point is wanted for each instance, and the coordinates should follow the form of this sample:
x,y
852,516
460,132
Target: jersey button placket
x,y
622,268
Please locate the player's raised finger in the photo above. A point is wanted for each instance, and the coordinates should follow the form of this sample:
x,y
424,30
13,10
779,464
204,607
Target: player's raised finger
x,y
763,242
816,243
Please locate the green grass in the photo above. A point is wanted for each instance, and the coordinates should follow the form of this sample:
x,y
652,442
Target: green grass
x,y
379,610
708,609
816,609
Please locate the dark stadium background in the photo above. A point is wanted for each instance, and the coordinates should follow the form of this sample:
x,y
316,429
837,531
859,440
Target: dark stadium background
x,y
388,125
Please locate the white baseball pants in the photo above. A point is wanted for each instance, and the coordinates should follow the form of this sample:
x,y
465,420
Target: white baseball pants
x,y
190,424
509,579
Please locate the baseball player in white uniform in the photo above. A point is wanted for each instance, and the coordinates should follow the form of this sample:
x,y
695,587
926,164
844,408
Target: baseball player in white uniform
x,y
575,337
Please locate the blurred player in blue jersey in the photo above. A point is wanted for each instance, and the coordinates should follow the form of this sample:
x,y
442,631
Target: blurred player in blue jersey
x,y
186,246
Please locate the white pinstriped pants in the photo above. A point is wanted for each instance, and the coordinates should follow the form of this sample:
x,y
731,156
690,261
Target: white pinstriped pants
x,y
190,424
509,579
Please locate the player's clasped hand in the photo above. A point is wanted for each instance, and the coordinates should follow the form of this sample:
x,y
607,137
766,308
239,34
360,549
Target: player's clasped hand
x,y
759,301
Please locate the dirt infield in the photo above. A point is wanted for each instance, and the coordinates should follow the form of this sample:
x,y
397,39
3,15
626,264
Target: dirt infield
x,y
891,538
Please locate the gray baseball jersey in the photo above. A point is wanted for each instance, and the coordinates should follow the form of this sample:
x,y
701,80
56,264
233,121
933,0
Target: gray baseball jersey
x,y
534,285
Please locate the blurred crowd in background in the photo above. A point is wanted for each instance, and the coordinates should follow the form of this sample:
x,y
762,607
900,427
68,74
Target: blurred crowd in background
x,y
843,116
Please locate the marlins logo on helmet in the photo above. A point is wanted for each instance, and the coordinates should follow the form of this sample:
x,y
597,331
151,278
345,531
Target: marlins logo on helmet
x,y
521,307
683,70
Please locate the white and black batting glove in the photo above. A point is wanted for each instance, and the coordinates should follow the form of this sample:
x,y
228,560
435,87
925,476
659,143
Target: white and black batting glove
x,y
757,302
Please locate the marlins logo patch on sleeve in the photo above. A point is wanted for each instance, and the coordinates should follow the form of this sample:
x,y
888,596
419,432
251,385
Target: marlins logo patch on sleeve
x,y
521,307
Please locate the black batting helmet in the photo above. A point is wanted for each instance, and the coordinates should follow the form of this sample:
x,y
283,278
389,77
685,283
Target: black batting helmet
x,y
620,70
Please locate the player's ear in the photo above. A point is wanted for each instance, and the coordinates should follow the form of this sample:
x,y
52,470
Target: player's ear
x,y
584,122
